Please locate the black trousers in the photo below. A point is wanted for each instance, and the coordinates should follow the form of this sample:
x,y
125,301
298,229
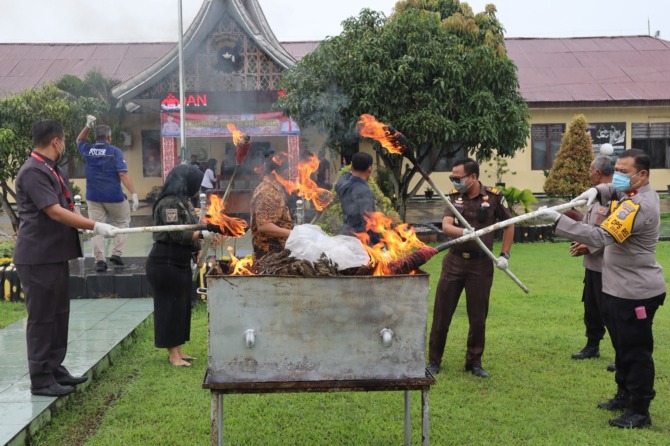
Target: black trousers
x,y
48,304
634,344
169,273
476,276
595,310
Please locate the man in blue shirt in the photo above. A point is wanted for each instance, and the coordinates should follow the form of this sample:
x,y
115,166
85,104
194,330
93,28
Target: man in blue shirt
x,y
105,171
356,197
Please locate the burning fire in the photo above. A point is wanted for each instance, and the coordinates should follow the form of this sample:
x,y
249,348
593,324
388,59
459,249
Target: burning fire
x,y
304,185
234,227
240,267
388,137
398,240
242,143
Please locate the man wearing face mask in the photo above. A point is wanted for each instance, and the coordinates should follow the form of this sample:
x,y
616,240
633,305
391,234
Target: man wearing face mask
x,y
467,266
632,279
47,239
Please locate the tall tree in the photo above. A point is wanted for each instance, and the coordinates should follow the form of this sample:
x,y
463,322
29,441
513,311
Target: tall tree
x,y
433,69
569,175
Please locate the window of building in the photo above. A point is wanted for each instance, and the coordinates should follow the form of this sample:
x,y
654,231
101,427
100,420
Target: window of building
x,y
151,153
443,160
545,141
653,138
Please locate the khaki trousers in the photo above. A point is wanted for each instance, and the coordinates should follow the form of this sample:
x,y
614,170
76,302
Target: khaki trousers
x,y
119,215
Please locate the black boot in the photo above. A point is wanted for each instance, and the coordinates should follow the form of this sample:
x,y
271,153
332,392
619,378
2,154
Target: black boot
x,y
621,401
590,351
632,420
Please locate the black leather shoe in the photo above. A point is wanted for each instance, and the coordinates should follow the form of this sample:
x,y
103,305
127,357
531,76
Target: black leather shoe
x,y
70,380
116,260
477,371
632,420
611,367
434,369
54,389
100,266
587,352
621,401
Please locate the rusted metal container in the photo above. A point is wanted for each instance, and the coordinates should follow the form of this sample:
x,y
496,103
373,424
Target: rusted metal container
x,y
285,328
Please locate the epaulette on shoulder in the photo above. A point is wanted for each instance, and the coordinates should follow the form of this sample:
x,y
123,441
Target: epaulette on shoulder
x,y
453,191
493,190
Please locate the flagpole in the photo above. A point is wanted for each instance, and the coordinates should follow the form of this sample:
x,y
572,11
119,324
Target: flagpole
x,y
182,121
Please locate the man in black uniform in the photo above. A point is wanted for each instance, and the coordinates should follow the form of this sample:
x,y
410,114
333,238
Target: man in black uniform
x,y
46,240
467,266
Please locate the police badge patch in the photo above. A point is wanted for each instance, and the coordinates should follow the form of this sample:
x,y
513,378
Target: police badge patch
x,y
171,215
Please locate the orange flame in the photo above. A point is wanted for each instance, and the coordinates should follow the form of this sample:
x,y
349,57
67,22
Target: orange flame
x,y
240,266
399,241
238,136
304,185
388,137
234,227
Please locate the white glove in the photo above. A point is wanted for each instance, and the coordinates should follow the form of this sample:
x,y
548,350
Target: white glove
x,y
590,196
206,234
90,121
135,204
501,263
103,229
550,213
467,231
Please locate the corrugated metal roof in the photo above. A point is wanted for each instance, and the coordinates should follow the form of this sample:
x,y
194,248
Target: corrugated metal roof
x,y
558,70
24,66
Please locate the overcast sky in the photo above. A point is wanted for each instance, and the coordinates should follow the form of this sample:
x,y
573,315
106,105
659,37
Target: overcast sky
x,y
293,20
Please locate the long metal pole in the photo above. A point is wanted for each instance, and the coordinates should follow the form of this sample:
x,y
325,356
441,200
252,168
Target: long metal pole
x,y
182,114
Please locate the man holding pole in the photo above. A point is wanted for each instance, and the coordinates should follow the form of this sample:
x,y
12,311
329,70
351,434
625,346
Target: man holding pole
x,y
467,265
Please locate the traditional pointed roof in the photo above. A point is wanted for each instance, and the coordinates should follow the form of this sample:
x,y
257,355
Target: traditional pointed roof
x,y
247,13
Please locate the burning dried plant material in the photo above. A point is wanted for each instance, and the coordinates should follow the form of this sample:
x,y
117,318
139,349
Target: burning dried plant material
x,y
283,264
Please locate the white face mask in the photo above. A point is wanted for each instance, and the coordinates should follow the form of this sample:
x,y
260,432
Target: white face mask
x,y
60,152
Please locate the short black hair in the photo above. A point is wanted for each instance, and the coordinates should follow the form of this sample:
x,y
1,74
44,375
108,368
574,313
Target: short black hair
x,y
46,130
469,165
361,161
102,132
641,159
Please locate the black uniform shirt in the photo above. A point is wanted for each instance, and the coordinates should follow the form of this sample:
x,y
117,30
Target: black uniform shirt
x,y
41,239
483,210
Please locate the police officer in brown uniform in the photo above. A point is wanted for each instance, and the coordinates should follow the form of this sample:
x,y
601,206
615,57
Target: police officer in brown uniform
x,y
46,240
595,310
467,266
633,284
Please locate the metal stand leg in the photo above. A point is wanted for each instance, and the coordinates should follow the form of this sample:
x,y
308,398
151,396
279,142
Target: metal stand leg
x,y
424,416
407,421
217,419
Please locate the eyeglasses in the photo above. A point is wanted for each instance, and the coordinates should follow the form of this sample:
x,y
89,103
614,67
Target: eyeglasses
x,y
454,179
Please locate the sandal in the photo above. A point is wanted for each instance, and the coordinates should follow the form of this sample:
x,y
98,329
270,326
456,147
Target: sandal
x,y
186,364
189,358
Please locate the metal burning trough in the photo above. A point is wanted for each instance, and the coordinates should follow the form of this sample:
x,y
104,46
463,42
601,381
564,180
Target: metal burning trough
x,y
282,328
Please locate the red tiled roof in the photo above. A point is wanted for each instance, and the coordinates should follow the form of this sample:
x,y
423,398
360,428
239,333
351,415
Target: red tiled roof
x,y
551,71
592,69
24,66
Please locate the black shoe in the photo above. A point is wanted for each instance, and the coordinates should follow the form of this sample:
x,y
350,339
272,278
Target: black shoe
x,y
116,260
477,371
621,401
611,367
632,420
587,352
70,380
100,266
54,389
434,369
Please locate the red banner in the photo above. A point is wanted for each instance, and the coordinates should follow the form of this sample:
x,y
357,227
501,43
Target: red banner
x,y
203,125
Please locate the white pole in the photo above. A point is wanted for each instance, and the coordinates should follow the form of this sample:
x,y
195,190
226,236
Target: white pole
x,y
182,123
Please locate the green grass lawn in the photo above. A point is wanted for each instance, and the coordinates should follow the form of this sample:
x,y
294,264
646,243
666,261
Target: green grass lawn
x,y
11,312
536,394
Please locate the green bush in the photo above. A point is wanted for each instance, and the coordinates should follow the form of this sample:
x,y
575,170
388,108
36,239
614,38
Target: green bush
x,y
7,249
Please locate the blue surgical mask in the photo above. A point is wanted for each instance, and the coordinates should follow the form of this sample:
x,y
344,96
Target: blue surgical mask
x,y
621,182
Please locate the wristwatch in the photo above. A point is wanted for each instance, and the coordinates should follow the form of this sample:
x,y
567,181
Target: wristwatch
x,y
505,255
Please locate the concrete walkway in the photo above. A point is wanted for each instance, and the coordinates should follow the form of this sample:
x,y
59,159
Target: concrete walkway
x,y
97,328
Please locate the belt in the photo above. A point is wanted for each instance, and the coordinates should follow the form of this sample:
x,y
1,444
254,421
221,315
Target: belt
x,y
471,255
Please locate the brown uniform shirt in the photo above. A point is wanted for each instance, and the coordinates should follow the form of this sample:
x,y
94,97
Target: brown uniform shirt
x,y
483,210
42,240
268,205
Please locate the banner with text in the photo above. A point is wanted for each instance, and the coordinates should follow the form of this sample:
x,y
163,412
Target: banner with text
x,y
202,125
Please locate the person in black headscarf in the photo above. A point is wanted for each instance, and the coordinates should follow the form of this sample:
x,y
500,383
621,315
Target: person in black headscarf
x,y
169,264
